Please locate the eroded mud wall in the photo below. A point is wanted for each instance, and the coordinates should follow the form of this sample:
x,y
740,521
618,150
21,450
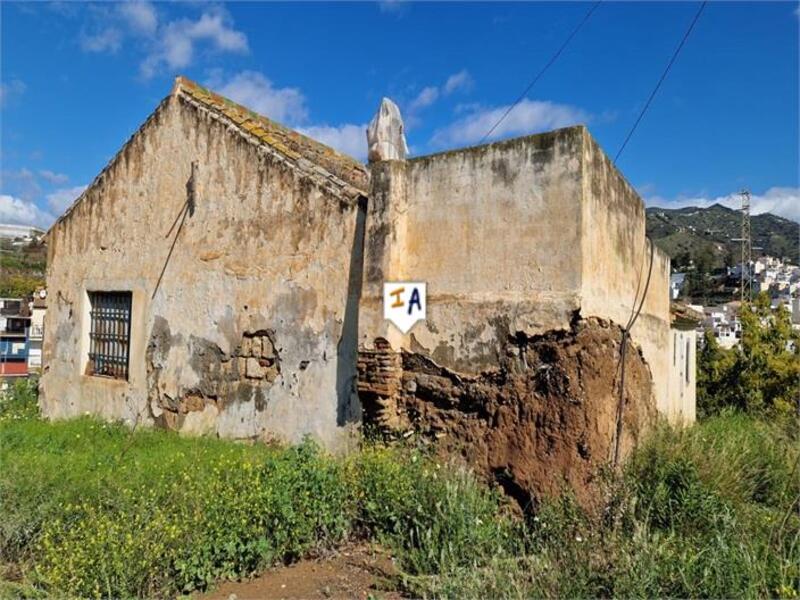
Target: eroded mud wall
x,y
541,422
244,280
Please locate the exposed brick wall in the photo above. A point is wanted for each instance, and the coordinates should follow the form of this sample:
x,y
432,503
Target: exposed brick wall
x,y
379,380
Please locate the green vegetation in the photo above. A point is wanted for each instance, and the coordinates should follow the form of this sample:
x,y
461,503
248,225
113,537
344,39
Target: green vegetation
x,y
94,509
712,230
761,375
703,512
23,269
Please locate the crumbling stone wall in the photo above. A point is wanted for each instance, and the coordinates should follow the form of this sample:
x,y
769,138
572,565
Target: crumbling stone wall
x,y
541,422
244,374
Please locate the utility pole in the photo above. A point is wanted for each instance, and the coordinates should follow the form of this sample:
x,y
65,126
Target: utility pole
x,y
746,285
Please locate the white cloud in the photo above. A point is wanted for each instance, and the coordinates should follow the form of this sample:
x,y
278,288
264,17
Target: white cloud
x,y
10,90
23,181
458,81
166,44
108,39
109,27
21,212
140,16
255,91
61,199
461,81
529,116
349,139
392,6
425,98
53,177
781,201
176,42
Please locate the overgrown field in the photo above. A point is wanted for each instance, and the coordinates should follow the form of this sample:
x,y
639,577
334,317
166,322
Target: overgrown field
x,y
92,509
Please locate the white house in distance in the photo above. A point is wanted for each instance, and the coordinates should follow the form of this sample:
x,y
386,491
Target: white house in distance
x,y
36,331
20,233
683,344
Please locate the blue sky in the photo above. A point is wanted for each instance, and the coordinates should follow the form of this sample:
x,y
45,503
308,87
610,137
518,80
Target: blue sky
x,y
79,78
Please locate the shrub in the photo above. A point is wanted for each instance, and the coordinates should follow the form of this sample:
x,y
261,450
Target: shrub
x,y
102,511
762,374
227,517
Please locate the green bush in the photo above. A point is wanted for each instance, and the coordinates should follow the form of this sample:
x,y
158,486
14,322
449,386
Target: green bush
x,y
98,510
711,511
761,375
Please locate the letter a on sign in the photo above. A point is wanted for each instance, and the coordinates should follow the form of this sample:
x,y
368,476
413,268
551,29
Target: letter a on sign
x,y
404,303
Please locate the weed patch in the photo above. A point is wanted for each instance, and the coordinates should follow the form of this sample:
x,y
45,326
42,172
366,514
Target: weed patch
x,y
91,509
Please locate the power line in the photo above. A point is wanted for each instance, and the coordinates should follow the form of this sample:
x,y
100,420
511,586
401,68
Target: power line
x,y
746,285
542,71
663,77
626,333
636,311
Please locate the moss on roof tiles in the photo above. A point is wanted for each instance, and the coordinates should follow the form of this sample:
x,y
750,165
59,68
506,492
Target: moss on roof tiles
x,y
288,142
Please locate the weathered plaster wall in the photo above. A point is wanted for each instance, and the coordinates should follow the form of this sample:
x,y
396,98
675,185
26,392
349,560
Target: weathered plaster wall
x,y
245,324
495,233
682,378
518,236
616,261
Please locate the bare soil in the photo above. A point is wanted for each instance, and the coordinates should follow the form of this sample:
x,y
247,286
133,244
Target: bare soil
x,y
361,571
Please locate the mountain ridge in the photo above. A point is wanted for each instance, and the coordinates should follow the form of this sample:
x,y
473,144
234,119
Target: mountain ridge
x,y
707,235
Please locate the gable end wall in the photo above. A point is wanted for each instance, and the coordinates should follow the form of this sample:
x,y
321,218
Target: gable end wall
x,y
240,323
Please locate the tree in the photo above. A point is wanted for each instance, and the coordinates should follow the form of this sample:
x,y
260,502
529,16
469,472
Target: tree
x,y
714,370
761,374
19,285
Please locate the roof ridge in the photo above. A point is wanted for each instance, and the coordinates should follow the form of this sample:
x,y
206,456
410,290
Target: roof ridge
x,y
289,142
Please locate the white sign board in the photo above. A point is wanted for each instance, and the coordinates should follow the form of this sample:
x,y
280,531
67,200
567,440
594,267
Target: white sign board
x,y
404,303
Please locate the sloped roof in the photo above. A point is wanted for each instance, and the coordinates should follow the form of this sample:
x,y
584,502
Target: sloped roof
x,y
681,313
290,143
339,172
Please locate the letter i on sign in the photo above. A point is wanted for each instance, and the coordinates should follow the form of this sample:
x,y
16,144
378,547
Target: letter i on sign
x,y
404,303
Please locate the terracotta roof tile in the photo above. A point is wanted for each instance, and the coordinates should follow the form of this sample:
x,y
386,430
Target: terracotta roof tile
x,y
288,142
680,312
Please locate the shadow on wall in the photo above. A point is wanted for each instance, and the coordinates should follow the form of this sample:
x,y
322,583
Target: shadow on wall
x,y
348,407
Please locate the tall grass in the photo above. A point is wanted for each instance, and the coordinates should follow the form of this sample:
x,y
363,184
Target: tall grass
x,y
92,509
711,511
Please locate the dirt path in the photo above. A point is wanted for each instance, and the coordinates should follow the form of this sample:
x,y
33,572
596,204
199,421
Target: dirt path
x,y
352,572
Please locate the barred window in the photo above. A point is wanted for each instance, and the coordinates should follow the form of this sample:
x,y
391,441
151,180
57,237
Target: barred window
x,y
109,334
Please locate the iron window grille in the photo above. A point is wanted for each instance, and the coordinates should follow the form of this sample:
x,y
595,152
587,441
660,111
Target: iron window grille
x,y
110,334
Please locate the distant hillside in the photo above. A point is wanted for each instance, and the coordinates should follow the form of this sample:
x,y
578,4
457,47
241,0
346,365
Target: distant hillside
x,y
704,235
22,268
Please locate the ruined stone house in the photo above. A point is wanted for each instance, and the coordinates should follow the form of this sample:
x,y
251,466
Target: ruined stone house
x,y
223,275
